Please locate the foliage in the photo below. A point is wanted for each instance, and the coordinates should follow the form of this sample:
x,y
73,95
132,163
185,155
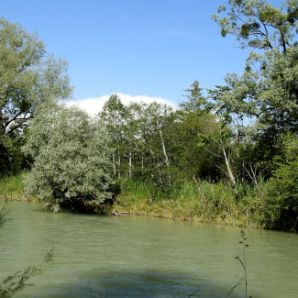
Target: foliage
x,y
28,77
282,194
158,144
265,95
258,24
137,134
12,187
220,156
243,262
196,200
71,160
17,281
196,101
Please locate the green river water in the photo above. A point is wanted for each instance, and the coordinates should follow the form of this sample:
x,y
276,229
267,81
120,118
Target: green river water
x,y
143,257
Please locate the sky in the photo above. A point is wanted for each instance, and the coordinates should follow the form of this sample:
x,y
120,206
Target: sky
x,y
149,48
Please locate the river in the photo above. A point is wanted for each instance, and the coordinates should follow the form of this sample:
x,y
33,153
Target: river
x,y
143,257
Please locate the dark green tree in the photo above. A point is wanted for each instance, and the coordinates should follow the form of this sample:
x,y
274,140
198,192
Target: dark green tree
x,y
195,99
282,196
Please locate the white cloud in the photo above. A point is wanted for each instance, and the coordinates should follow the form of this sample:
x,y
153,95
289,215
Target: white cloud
x,y
94,105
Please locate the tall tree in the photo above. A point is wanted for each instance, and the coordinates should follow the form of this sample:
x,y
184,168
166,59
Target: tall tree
x,y
258,24
113,115
28,77
267,91
195,99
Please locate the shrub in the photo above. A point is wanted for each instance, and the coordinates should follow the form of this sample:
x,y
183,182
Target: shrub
x,y
71,160
282,192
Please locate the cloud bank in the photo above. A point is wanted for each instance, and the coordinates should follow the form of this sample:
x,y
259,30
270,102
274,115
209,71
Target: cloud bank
x,y
94,105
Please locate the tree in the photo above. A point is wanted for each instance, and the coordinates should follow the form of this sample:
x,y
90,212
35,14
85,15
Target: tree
x,y
157,115
71,160
113,116
268,89
266,94
196,101
282,195
193,123
258,24
28,77
137,135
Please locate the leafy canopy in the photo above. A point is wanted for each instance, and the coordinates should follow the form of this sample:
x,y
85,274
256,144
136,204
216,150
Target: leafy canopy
x,y
71,160
258,24
28,77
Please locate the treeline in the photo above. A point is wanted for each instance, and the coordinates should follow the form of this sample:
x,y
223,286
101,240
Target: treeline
x,y
160,144
238,140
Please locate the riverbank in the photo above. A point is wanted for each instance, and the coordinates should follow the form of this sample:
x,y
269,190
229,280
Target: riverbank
x,y
195,202
12,188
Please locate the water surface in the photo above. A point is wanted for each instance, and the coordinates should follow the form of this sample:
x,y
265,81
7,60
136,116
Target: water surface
x,y
142,257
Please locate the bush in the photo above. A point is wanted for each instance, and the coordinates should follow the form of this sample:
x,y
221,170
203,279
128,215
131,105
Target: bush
x,y
282,192
11,187
71,161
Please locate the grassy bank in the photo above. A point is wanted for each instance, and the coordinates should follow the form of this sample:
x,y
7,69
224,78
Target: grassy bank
x,y
196,201
12,188
189,201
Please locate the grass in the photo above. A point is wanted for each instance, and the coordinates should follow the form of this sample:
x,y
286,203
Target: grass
x,y
188,201
12,188
195,201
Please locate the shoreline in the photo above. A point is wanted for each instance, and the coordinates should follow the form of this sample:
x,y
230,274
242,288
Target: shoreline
x,y
122,211
151,210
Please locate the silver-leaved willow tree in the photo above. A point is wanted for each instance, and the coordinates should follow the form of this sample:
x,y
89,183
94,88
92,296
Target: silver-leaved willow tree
x,y
71,167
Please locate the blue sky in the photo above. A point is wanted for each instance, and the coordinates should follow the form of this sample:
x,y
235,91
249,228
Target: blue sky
x,y
144,47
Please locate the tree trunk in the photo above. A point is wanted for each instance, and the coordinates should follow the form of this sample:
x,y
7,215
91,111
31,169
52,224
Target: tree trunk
x,y
119,165
114,165
129,164
167,162
142,166
227,162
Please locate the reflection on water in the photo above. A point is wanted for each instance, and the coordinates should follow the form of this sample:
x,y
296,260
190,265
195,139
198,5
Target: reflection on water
x,y
140,257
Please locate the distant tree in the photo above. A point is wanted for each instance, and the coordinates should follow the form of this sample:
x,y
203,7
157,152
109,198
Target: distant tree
x,y
72,167
196,101
28,77
113,116
136,136
157,116
195,157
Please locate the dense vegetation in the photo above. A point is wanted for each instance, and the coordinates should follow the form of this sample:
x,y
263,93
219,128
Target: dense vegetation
x,y
71,160
228,154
